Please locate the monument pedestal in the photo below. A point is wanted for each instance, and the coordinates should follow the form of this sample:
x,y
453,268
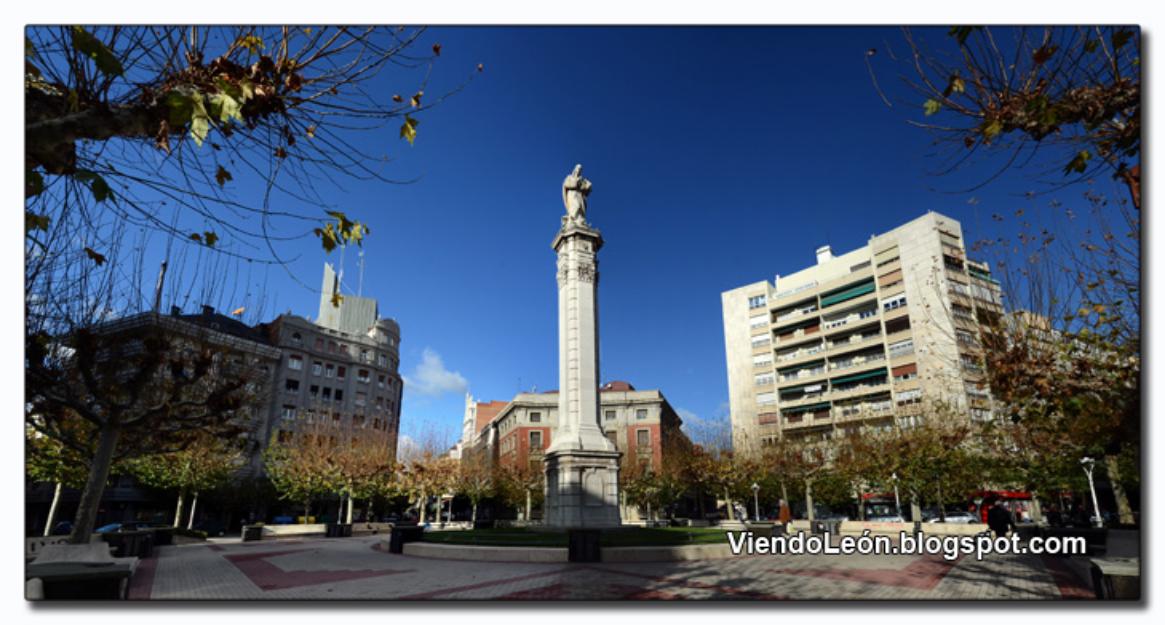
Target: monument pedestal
x,y
582,489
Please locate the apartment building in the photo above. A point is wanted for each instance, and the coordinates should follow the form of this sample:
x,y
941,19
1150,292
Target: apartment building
x,y
518,432
342,368
861,339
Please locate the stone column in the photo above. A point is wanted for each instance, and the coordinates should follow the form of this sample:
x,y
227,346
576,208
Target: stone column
x,y
582,465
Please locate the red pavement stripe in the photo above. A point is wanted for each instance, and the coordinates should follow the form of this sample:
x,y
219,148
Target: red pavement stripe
x,y
497,582
268,577
1067,581
141,585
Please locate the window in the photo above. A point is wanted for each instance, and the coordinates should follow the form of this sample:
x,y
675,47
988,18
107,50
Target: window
x,y
761,340
536,440
361,398
291,386
284,436
758,321
901,348
764,379
314,389
332,346
980,414
641,414
365,356
535,417
383,360
762,360
766,398
614,438
358,420
643,438
295,363
288,413
609,415
341,372
339,395
363,376
964,337
296,338
329,371
319,343
380,381
912,396
756,301
317,367
898,301
327,394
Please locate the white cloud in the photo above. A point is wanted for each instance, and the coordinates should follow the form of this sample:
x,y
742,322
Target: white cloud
x,y
430,377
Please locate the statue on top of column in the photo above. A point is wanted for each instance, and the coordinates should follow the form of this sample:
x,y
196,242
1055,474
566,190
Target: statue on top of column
x,y
575,190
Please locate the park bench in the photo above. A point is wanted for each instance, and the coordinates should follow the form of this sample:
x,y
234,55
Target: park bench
x,y
1116,578
88,571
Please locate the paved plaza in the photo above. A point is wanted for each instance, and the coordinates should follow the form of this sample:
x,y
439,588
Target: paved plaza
x,y
362,568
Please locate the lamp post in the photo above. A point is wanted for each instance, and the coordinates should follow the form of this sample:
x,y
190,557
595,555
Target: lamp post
x,y
897,501
755,501
1089,464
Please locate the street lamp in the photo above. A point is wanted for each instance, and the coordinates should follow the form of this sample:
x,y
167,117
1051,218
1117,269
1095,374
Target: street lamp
x,y
897,501
755,501
1089,464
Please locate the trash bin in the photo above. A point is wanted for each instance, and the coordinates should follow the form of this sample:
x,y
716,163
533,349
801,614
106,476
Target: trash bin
x,y
584,546
252,533
338,530
402,534
163,536
138,544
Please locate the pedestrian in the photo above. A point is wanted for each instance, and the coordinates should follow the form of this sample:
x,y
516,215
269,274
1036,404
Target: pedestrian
x,y
784,516
999,520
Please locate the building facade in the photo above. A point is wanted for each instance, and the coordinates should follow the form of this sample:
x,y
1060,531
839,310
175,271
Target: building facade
x,y
518,432
861,339
342,369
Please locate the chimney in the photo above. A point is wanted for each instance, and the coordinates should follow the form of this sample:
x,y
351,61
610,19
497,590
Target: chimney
x,y
207,310
824,254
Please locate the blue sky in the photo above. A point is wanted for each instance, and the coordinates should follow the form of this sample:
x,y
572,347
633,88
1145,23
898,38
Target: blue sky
x,y
719,157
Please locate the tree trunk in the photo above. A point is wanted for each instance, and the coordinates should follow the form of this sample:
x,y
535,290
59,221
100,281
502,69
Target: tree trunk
x,y
95,484
728,504
474,519
942,513
861,505
48,524
349,518
1124,510
178,509
528,505
1037,510
193,507
915,508
809,513
784,493
424,504
306,511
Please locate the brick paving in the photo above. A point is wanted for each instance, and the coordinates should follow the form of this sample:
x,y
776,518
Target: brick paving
x,y
360,568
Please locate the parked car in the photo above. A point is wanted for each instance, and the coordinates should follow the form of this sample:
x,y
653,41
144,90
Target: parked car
x,y
955,516
133,526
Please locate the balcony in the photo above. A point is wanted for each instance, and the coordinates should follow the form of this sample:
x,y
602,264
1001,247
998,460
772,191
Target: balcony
x,y
803,401
787,381
896,313
858,362
800,355
855,341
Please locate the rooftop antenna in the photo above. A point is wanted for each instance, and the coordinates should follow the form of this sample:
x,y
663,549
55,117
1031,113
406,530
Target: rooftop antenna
x,y
360,280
